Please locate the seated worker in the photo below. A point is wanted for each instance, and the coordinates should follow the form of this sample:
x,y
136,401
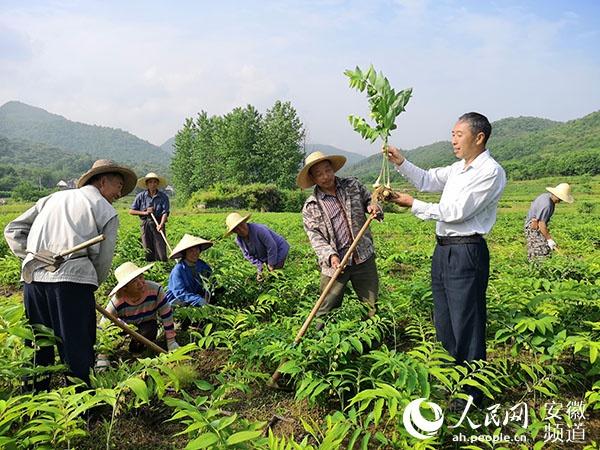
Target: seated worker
x,y
259,244
140,302
188,282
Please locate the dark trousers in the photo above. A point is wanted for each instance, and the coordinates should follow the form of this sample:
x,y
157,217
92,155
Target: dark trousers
x,y
153,242
364,280
68,309
459,279
149,330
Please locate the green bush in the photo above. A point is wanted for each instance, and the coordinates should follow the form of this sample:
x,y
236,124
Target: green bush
x,y
260,197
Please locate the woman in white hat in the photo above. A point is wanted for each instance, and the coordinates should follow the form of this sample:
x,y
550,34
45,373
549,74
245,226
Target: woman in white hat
x,y
152,202
539,240
142,303
188,281
259,244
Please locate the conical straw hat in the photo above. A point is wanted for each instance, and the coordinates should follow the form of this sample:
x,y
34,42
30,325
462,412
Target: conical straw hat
x,y
233,220
189,241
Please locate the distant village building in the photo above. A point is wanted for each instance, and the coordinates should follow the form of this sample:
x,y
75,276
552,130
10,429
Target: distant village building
x,y
70,184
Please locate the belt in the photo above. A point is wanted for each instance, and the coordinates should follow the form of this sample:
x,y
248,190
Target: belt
x,y
455,240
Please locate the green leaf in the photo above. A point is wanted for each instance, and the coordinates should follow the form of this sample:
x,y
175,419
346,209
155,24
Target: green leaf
x,y
138,387
203,441
243,436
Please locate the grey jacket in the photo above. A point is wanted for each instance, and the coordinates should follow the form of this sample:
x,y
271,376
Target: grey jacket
x,y
355,199
63,220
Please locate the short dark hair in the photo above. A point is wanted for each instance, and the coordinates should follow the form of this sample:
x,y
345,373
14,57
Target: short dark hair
x,y
478,124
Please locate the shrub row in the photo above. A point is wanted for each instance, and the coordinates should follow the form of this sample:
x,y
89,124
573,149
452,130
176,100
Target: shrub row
x,y
257,196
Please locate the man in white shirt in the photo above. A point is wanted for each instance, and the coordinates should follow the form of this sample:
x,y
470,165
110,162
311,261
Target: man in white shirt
x,y
64,300
466,211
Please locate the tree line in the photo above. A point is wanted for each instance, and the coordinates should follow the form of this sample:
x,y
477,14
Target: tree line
x,y
240,147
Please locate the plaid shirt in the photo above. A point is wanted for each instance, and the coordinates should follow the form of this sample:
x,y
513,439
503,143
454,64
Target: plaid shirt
x,y
322,232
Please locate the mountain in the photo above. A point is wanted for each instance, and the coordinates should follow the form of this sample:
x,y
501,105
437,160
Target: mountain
x,y
528,147
21,121
167,147
351,158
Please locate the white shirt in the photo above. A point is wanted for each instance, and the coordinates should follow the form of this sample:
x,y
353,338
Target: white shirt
x,y
61,221
469,194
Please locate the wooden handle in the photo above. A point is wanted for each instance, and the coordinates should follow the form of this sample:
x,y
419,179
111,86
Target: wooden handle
x,y
162,233
137,336
337,273
83,245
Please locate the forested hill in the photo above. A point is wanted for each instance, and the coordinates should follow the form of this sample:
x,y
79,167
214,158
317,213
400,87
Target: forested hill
x,y
21,121
37,164
527,147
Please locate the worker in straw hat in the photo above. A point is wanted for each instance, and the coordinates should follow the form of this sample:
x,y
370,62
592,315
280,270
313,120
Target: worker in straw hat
x,y
63,300
539,240
189,283
332,215
259,244
148,203
140,302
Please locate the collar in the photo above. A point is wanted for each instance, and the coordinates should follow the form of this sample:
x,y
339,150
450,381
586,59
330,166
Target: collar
x,y
478,161
321,195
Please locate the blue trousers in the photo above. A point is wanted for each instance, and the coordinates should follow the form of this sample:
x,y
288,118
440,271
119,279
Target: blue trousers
x,y
459,279
68,309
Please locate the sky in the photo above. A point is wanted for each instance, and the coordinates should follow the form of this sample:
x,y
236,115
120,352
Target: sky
x,y
145,66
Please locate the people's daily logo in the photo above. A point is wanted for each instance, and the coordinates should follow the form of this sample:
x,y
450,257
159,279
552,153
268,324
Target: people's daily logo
x,y
417,425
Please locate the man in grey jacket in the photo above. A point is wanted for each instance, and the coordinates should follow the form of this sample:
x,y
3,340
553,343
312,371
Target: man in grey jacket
x,y
332,216
64,300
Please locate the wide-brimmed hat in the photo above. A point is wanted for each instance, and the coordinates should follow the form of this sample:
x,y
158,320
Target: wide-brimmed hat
x,y
304,180
562,191
125,273
108,166
189,241
141,182
233,220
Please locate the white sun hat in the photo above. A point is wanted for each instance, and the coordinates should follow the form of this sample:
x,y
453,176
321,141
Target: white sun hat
x,y
562,191
125,273
233,220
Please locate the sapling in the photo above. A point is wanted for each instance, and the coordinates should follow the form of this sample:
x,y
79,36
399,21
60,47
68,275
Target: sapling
x,y
386,105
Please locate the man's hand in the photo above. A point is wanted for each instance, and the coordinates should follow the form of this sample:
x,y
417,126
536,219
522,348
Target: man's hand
x,y
160,227
403,199
394,155
149,210
334,261
376,212
271,268
552,244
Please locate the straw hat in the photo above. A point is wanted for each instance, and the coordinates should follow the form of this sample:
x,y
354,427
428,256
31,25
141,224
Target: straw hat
x,y
189,241
304,180
141,182
125,273
108,166
562,191
233,220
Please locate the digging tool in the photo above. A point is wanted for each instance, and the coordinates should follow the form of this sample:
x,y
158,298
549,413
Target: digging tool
x,y
162,233
45,259
134,334
276,375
